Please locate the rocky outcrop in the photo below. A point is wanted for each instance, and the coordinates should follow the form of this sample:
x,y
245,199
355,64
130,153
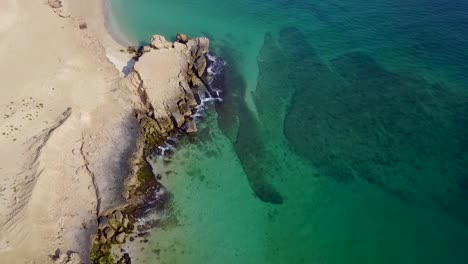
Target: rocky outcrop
x,y
165,77
163,90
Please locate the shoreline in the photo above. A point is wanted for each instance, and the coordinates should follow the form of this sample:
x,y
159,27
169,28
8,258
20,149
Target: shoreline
x,y
75,130
65,119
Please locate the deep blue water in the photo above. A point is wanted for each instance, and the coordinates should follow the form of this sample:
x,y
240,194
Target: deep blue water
x,y
342,136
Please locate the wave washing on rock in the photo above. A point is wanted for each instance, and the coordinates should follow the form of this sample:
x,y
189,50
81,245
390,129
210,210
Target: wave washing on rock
x,y
214,69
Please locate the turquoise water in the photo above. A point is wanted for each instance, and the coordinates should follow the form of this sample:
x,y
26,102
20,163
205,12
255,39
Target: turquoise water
x,y
342,136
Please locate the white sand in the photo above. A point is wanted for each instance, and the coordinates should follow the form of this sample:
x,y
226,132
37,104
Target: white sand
x,y
68,127
64,127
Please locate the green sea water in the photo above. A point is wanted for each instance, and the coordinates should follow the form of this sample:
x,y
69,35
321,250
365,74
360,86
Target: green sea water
x,y
342,136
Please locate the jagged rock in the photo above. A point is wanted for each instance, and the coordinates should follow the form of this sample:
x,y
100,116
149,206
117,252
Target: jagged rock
x,y
120,238
200,65
178,119
159,42
199,47
184,108
102,222
109,233
118,216
182,38
194,80
191,127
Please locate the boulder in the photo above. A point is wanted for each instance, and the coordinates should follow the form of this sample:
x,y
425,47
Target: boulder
x,y
125,222
159,42
182,38
120,238
118,216
191,127
178,119
102,222
113,222
102,239
109,233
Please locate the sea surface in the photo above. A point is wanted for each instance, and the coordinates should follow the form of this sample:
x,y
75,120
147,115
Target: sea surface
x,y
342,135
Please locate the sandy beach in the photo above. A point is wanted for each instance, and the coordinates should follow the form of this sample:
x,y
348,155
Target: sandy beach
x,y
73,129
64,129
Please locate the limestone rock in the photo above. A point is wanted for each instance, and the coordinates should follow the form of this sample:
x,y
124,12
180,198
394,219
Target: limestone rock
x,y
178,119
109,233
191,127
102,222
120,238
159,42
182,38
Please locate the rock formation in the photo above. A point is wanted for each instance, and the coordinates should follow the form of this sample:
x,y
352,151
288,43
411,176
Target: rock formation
x,y
165,77
162,89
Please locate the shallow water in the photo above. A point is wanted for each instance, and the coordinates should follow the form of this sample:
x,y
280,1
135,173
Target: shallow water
x,y
342,136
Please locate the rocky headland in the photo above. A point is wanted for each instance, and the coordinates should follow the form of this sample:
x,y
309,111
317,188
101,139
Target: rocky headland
x,y
163,88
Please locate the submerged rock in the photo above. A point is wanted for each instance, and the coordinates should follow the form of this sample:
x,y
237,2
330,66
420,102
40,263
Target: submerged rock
x,y
191,127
